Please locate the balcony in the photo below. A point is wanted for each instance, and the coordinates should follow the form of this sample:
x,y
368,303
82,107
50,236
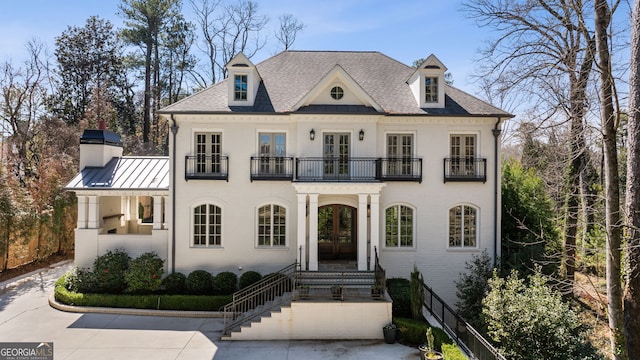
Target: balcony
x,y
206,167
271,168
465,169
349,169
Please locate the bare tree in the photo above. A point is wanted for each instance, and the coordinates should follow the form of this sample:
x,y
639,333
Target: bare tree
x,y
544,52
227,29
288,31
610,121
632,253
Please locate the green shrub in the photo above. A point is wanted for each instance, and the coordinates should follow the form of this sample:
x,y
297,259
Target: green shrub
x,y
414,332
530,321
144,274
225,283
471,288
249,278
161,302
416,293
109,270
80,280
398,289
199,282
175,283
452,352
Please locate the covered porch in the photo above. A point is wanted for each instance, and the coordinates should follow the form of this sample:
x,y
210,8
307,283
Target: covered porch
x,y
338,223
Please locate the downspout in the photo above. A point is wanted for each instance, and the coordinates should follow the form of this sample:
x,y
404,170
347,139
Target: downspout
x,y
174,131
496,135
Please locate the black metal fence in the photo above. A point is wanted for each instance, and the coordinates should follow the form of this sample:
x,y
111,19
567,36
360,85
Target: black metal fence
x,y
468,338
465,169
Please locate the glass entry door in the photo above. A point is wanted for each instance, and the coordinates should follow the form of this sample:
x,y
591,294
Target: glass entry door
x,y
337,232
336,156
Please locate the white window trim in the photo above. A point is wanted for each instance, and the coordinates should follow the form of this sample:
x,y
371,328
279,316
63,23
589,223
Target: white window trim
x,y
233,79
463,248
391,132
477,133
272,131
384,228
192,224
286,227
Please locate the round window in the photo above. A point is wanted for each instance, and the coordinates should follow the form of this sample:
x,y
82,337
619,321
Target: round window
x,y
337,93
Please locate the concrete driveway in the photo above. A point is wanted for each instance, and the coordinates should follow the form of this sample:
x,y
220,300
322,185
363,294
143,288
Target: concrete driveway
x,y
25,316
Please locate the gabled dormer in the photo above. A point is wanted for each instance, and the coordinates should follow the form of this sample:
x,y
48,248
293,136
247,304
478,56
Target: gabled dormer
x,y
243,81
336,88
427,83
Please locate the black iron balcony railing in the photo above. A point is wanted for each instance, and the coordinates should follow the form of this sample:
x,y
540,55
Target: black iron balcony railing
x,y
350,169
271,168
465,169
206,167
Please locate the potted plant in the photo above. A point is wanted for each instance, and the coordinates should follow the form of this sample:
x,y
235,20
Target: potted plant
x,y
303,291
390,332
376,291
336,292
427,351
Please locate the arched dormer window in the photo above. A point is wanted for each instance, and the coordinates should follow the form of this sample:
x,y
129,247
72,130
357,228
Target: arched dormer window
x,y
427,83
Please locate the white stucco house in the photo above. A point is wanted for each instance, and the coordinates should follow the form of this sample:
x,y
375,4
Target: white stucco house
x,y
315,157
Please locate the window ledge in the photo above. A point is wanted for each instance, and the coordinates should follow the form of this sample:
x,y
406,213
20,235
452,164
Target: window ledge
x,y
400,249
213,247
277,247
463,249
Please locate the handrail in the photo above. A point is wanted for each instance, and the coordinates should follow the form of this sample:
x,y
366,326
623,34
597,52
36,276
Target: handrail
x,y
380,274
467,338
465,169
254,300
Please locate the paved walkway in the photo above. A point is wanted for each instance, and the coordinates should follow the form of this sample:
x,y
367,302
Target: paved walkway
x,y
25,316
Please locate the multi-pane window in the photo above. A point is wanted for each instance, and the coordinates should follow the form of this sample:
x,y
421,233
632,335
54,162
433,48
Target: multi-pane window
x,y
431,89
399,153
399,226
463,153
272,152
240,87
463,227
208,157
207,225
272,225
336,155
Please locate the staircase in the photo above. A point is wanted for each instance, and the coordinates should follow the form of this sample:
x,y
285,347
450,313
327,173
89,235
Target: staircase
x,y
339,285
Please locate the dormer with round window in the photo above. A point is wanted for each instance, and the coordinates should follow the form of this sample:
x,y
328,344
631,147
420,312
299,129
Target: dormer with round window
x,y
427,83
243,81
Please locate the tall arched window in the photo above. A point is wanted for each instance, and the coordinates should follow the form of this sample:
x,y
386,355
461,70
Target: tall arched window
x,y
207,225
463,232
272,225
399,226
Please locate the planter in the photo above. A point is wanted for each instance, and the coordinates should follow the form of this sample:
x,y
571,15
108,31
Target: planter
x,y
336,292
390,334
425,355
376,293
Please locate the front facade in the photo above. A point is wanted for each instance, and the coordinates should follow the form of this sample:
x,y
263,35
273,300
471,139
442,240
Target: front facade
x,y
318,158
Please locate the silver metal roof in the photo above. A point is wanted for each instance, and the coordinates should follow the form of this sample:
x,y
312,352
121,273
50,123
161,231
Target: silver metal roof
x,y
125,173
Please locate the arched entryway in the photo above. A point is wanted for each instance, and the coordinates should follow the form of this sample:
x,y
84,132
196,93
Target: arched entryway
x,y
337,232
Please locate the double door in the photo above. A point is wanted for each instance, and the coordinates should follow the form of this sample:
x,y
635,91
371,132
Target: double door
x,y
337,232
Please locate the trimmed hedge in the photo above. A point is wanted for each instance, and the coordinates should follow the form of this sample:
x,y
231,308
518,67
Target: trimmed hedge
x,y
175,283
159,302
225,283
200,282
249,278
398,289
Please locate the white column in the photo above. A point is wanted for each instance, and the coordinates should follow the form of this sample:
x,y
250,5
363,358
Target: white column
x,y
313,232
82,212
302,231
362,232
157,212
375,228
93,221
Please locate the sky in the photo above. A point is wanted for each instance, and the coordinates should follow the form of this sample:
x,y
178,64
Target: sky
x,y
405,30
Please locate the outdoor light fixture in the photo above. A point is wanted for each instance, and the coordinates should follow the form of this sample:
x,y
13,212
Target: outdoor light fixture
x,y
312,135
361,137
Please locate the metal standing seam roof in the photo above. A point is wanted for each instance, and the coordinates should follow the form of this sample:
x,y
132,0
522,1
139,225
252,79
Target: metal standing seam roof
x,y
290,75
125,173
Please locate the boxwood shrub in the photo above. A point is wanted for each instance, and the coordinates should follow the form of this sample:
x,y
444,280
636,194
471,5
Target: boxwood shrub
x,y
175,283
399,290
225,283
199,282
249,278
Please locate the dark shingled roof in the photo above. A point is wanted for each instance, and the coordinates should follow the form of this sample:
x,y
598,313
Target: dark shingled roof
x,y
291,75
